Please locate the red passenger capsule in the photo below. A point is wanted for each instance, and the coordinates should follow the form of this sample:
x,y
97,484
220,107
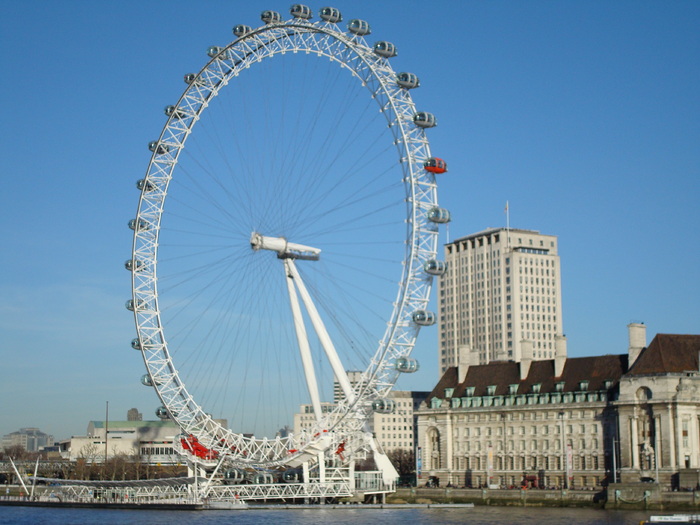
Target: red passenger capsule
x,y
435,165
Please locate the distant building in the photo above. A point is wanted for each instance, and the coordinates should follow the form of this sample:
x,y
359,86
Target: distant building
x,y
392,431
152,440
568,422
134,415
30,439
397,430
305,418
155,442
501,292
354,376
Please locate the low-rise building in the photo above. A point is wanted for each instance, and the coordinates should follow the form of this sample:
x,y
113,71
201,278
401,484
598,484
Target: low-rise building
x,y
153,441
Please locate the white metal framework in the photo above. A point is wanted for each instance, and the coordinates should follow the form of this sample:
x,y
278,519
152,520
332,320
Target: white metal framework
x,y
336,435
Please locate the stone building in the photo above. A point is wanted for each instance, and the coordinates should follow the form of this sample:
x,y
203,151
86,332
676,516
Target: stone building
x,y
566,422
658,411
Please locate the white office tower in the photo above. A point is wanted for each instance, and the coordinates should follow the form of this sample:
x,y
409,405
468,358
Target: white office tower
x,y
500,299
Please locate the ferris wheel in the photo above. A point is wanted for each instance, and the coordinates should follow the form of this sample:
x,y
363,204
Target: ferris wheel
x,y
286,233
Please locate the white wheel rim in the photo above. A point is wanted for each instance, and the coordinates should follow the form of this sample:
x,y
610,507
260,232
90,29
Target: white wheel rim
x,y
380,374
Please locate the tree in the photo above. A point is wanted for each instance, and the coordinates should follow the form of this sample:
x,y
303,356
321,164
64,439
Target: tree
x,y
16,452
403,460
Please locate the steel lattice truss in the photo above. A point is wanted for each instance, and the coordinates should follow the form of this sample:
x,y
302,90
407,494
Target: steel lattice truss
x,y
343,424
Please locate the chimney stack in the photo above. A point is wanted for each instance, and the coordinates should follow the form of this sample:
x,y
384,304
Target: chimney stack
x,y
526,359
464,353
559,355
638,341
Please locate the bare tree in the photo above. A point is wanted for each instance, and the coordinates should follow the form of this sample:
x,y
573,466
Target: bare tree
x,y
403,460
15,452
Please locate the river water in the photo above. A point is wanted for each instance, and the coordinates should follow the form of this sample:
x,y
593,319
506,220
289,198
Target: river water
x,y
350,516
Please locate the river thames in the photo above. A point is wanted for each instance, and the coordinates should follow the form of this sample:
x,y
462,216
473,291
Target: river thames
x,y
350,516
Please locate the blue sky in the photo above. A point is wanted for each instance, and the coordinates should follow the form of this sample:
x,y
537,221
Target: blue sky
x,y
584,116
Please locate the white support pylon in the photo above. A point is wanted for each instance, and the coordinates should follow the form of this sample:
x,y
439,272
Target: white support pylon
x,y
303,341
323,336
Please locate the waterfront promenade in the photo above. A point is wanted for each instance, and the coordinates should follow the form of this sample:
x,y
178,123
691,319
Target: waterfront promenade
x,y
639,496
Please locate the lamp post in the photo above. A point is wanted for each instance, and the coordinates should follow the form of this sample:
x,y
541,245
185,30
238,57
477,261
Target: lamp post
x,y
106,430
614,459
504,449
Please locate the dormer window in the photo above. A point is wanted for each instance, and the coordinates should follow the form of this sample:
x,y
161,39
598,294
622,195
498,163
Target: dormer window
x,y
513,389
559,387
608,384
491,390
449,392
469,392
536,388
583,386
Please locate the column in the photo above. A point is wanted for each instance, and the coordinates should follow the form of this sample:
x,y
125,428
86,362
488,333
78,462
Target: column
x,y
678,438
449,449
671,439
658,453
695,442
634,451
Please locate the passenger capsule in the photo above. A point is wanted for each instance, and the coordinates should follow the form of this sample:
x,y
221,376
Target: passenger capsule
x,y
359,27
142,184
133,265
158,148
293,476
330,14
439,215
385,49
435,165
234,476
241,30
147,380
261,478
424,317
214,50
139,225
135,343
406,365
425,120
162,413
301,11
384,405
407,80
435,267
270,17
190,78
172,111
130,305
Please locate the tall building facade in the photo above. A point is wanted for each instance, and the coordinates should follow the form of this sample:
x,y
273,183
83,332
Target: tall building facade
x,y
500,298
